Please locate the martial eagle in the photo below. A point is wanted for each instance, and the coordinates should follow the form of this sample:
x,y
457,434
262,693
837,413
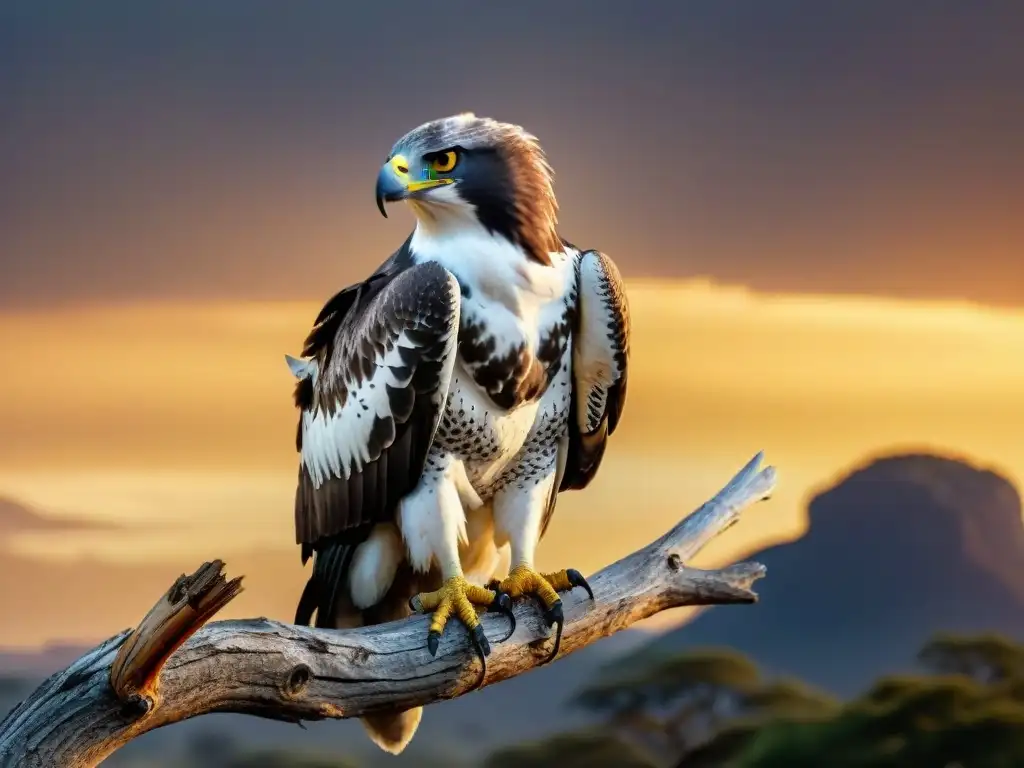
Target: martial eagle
x,y
446,400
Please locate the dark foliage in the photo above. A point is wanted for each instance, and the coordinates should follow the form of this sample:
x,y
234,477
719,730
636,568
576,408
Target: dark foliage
x,y
716,709
970,712
581,750
273,759
672,704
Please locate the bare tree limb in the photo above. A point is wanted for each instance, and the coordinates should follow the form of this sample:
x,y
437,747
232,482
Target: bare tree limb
x,y
188,605
260,667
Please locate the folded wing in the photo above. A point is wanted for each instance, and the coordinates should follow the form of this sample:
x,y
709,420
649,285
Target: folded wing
x,y
372,395
600,366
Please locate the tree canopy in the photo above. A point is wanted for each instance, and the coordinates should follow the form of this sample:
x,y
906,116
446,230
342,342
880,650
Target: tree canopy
x,y
716,709
672,704
968,711
577,750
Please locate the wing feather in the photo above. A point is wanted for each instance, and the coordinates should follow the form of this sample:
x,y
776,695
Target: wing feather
x,y
377,398
368,416
600,367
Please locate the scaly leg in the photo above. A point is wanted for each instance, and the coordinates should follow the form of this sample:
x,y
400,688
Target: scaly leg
x,y
432,522
457,597
518,513
544,587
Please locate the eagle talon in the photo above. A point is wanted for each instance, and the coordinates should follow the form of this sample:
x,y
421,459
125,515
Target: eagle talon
x,y
576,579
480,641
459,599
502,604
543,588
483,649
555,616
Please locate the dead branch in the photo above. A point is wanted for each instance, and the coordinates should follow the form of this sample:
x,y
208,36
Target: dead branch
x,y
261,667
188,605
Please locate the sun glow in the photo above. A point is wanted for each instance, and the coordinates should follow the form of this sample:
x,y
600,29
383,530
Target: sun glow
x,y
175,421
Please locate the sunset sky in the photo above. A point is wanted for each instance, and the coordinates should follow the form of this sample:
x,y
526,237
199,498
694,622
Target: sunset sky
x,y
817,207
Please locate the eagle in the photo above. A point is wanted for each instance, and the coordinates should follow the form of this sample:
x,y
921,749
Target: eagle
x,y
447,399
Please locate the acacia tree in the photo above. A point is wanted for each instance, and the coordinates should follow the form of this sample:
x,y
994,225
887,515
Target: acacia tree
x,y
969,712
986,658
672,705
703,705
175,665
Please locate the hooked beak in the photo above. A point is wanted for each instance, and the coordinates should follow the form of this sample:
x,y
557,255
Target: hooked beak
x,y
394,183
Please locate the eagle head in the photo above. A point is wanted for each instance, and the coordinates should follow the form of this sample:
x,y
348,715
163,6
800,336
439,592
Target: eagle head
x,y
468,169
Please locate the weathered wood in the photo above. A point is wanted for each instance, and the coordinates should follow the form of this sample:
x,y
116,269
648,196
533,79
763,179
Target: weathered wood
x,y
185,607
261,667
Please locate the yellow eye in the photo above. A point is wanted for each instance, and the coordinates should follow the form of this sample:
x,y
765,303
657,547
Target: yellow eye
x,y
445,161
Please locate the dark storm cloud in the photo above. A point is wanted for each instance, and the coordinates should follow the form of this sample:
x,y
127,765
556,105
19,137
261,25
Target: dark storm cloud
x,y
196,149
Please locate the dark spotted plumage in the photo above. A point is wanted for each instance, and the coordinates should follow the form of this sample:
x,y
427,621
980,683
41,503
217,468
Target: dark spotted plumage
x,y
513,374
510,377
552,346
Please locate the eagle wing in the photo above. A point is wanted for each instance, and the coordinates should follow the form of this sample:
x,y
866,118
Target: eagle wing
x,y
600,365
371,397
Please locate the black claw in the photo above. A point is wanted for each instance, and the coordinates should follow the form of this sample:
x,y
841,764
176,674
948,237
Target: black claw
x,y
555,616
433,638
480,640
483,649
503,604
541,605
576,579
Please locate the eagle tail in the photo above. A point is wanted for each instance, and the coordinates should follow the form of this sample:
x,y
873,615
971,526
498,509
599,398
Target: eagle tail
x,y
327,594
326,591
392,731
307,603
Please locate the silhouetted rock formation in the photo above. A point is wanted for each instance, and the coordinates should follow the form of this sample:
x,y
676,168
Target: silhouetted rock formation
x,y
902,548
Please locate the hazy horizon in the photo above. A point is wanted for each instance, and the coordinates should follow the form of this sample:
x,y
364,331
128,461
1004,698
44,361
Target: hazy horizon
x,y
156,462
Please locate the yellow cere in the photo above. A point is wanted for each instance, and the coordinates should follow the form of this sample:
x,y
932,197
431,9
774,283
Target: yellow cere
x,y
400,166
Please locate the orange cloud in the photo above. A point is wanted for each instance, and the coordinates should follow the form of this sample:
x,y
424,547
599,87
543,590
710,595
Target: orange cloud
x,y
88,599
17,518
179,416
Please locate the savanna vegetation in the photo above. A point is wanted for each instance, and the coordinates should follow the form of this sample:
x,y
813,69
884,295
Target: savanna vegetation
x,y
714,709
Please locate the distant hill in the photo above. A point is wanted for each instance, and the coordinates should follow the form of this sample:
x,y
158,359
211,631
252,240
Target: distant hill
x,y
39,663
901,548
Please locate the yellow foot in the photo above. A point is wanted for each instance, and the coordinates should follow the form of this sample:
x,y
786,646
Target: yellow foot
x,y
457,597
523,580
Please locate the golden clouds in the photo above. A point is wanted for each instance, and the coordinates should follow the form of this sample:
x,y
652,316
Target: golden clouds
x,y
166,417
